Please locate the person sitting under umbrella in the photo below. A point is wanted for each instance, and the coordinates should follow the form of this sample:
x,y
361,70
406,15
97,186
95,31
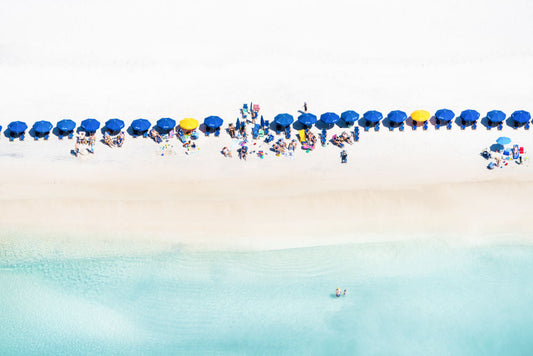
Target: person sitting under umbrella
x,y
108,140
120,139
231,130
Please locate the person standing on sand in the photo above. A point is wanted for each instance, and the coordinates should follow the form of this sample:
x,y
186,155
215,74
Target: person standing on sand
x,y
344,156
305,106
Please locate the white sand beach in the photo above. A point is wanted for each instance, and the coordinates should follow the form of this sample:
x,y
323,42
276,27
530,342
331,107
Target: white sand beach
x,y
106,60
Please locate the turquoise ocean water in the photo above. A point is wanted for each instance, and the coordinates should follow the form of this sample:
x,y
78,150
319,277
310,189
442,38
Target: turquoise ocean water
x,y
405,298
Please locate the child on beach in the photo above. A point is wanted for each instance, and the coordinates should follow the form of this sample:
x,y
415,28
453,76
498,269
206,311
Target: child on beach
x,y
344,156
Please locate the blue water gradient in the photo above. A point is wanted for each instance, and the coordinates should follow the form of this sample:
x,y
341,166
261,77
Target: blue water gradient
x,y
405,298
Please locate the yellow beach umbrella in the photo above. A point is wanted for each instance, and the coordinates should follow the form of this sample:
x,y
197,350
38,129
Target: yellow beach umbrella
x,y
189,124
420,115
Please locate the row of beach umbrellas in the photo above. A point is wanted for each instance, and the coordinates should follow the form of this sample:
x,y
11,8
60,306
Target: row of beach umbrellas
x,y
307,119
114,125
398,116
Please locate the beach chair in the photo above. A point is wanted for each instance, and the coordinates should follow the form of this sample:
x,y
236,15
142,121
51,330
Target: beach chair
x,y
474,126
255,131
489,125
278,130
526,126
36,138
463,126
449,126
46,137
367,128
425,125
437,126
402,126
288,132
60,135
376,128
217,132
22,136
245,108
269,138
11,138
391,128
500,126
207,131
71,135
414,125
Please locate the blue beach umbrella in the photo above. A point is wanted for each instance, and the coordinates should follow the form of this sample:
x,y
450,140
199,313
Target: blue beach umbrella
x,y
90,125
329,118
349,116
166,123
444,115
503,141
397,116
283,119
114,125
496,116
307,119
521,116
140,125
470,115
213,122
372,116
66,125
17,127
42,127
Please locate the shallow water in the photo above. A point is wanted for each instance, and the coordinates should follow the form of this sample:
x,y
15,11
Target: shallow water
x,y
405,298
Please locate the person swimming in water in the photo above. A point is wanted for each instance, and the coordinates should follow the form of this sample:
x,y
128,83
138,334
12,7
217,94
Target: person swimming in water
x,y
338,292
345,293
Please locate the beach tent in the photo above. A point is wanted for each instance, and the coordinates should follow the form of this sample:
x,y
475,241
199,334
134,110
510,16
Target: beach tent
x,y
329,118
283,119
307,119
90,125
42,127
166,123
140,125
496,116
114,125
397,116
420,115
17,127
372,116
503,141
470,115
66,125
349,117
444,115
521,116
189,124
213,122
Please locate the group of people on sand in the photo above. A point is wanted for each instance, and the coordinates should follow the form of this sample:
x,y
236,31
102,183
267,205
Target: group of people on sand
x,y
116,141
339,140
338,292
84,140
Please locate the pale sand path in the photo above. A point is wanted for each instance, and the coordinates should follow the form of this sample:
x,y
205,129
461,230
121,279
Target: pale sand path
x,y
396,185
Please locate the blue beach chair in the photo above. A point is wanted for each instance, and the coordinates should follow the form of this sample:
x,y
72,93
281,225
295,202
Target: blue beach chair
x,y
474,125
255,131
425,125
46,137
500,126
437,126
526,126
414,125
217,132
207,132
269,138
367,128
376,128
288,132
449,126
22,136
71,135
402,126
